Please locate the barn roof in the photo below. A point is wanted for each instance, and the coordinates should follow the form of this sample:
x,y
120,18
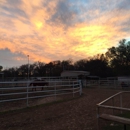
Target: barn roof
x,y
74,73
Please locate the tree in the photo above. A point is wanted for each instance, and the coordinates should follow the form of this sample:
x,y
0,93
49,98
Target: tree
x,y
57,68
11,72
38,69
23,70
96,65
119,58
67,64
81,65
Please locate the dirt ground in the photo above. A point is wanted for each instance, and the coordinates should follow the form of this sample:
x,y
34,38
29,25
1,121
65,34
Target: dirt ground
x,y
77,114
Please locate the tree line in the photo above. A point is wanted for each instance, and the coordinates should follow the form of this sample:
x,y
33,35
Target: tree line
x,y
115,62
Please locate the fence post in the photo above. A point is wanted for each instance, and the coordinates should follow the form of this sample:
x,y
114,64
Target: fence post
x,y
80,85
73,88
27,92
55,90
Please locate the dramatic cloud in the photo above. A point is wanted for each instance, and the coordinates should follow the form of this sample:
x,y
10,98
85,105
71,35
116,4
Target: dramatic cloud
x,y
48,30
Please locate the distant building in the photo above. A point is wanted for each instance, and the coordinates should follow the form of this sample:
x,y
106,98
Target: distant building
x,y
74,74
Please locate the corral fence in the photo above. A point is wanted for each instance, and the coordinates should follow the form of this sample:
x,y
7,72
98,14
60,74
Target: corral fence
x,y
106,83
23,90
28,78
102,83
109,82
115,109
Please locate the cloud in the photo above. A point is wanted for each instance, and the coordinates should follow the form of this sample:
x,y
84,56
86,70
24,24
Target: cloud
x,y
8,58
63,14
124,5
49,30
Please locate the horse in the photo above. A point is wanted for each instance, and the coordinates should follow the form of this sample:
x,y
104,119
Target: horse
x,y
38,83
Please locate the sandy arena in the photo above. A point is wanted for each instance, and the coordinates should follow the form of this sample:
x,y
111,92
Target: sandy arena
x,y
77,114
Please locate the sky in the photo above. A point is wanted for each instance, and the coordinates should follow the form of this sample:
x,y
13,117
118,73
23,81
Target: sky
x,y
50,30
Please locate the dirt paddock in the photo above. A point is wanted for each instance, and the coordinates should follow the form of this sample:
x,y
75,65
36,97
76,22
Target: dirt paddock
x,y
77,114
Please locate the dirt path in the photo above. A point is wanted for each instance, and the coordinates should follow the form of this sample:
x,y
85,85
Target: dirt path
x,y
78,114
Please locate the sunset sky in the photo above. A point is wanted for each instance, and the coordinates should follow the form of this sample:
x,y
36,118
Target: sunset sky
x,y
49,30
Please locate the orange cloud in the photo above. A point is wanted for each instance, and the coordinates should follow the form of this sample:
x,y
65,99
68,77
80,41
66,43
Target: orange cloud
x,y
33,31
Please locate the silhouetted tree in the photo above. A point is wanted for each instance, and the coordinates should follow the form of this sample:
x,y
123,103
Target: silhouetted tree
x,y
38,69
1,68
81,65
96,65
11,72
67,64
49,69
23,70
119,58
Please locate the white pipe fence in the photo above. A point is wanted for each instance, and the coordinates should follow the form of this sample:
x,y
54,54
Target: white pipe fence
x,y
21,90
30,78
115,84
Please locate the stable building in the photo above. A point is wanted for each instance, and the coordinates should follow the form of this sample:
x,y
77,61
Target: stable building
x,y
74,74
